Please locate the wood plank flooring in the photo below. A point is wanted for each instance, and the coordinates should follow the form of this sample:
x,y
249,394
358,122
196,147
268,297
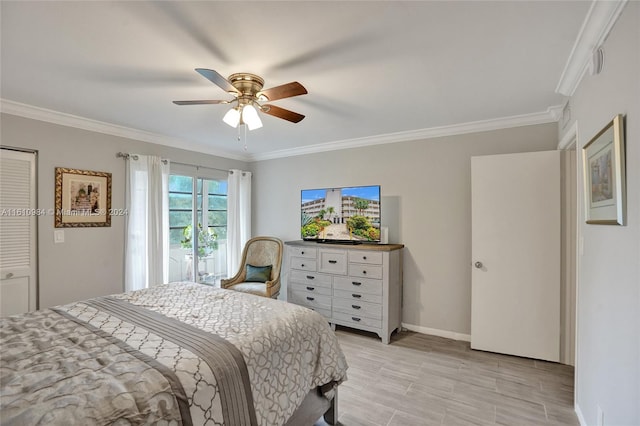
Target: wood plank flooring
x,y
427,380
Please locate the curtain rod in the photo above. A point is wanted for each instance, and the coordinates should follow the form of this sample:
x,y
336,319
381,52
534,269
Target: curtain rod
x,y
126,156
203,167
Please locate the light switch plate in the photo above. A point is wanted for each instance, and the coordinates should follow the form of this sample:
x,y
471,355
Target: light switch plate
x,y
58,236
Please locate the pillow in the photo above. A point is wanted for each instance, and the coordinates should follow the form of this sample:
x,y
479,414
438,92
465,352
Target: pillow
x,y
258,274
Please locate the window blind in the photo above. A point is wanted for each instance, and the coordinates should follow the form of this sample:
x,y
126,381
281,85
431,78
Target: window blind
x,y
15,221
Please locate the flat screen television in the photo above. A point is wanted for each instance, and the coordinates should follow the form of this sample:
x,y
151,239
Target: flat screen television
x,y
341,215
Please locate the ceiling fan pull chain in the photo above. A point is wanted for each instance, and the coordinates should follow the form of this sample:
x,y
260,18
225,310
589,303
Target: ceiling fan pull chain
x,y
245,137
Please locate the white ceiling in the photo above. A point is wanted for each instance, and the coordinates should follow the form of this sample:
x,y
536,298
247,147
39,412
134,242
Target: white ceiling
x,y
371,68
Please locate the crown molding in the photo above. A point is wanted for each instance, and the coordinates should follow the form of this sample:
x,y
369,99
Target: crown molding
x,y
598,23
552,114
70,120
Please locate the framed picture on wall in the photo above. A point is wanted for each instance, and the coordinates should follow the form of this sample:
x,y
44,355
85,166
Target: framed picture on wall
x,y
83,198
604,175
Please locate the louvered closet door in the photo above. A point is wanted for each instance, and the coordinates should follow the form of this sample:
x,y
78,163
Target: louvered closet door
x,y
17,232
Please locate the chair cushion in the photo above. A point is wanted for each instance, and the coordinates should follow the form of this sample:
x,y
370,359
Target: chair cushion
x,y
258,289
258,274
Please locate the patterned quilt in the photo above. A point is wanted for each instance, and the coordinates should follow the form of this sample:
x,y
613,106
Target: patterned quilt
x,y
182,353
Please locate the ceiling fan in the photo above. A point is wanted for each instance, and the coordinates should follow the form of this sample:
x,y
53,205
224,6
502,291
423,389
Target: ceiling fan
x,y
248,93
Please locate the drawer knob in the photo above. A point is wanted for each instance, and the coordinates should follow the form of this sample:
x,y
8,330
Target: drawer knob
x,y
357,296
355,306
356,319
310,277
333,261
310,298
302,265
311,288
302,252
364,257
364,272
356,283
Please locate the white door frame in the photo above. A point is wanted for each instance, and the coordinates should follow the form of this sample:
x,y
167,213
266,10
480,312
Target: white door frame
x,y
567,142
569,238
31,272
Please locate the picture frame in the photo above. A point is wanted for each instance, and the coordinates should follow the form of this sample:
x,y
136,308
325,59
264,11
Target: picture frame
x,y
83,198
604,175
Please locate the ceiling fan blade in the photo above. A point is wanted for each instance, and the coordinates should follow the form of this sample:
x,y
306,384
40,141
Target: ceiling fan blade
x,y
205,102
285,91
294,117
217,79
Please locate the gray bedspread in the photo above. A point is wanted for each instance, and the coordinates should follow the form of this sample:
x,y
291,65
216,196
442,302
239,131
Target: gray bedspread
x,y
174,354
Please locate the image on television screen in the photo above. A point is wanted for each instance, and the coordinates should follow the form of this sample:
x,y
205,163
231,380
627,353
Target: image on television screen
x,y
341,214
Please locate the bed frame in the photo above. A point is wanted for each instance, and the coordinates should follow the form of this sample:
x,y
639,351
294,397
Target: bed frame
x,y
314,406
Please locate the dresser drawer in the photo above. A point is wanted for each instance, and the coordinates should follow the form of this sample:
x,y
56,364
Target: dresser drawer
x,y
303,263
360,285
310,300
370,257
357,295
356,320
307,252
310,278
312,288
365,271
333,261
357,308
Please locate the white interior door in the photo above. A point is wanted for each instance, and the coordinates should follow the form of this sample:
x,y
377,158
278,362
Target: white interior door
x,y
515,297
17,232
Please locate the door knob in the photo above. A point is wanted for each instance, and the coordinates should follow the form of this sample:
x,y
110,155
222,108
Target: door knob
x,y
478,265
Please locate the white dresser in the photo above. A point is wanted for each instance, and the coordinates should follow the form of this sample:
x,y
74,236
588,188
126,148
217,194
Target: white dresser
x,y
358,286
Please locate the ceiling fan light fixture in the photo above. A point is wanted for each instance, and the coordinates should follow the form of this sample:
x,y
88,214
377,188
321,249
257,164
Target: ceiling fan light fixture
x,y
232,117
250,117
248,93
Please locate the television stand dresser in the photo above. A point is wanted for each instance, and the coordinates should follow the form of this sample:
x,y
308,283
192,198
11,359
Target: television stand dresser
x,y
358,286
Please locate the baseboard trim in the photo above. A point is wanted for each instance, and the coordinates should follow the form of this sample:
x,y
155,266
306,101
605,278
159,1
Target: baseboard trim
x,y
580,416
436,332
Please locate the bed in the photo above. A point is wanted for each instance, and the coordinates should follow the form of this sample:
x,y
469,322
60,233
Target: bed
x,y
182,353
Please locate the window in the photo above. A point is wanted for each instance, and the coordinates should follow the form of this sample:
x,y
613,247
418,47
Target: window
x,y
180,207
215,204
202,235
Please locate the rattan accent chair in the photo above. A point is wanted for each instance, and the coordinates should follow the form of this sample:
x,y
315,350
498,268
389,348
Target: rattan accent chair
x,y
258,252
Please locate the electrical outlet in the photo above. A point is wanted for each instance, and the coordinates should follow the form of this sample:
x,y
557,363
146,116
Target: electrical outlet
x,y
600,419
58,236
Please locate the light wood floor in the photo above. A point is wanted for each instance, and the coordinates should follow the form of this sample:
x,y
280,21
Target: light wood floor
x,y
428,380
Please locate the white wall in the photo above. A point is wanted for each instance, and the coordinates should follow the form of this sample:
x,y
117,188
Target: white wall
x,y
90,262
426,202
608,301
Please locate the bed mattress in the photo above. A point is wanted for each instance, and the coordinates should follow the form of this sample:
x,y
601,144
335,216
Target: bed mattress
x,y
182,353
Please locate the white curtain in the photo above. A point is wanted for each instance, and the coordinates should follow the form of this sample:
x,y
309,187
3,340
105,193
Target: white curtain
x,y
147,242
238,217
